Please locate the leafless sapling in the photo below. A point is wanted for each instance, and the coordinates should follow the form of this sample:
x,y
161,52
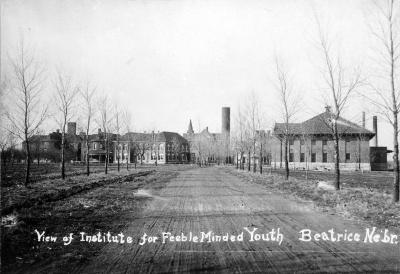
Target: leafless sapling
x,y
28,110
340,84
385,27
88,94
65,95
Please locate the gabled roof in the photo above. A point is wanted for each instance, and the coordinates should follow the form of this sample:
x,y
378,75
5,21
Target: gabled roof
x,y
100,137
320,125
164,136
190,128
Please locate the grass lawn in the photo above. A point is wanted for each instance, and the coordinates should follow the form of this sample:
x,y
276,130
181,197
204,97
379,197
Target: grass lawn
x,y
108,206
365,197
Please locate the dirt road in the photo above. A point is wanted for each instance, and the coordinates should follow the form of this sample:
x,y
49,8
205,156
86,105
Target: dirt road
x,y
208,199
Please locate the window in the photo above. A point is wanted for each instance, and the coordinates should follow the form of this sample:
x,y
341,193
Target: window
x,y
301,142
324,157
313,142
347,156
94,145
313,157
291,142
301,157
324,142
291,156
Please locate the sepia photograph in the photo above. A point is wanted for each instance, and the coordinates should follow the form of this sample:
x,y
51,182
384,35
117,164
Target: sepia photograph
x,y
217,136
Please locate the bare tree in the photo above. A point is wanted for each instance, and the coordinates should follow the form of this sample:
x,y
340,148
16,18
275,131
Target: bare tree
x,y
117,126
289,102
240,142
340,84
252,120
175,145
385,28
154,147
88,95
127,120
305,138
105,122
65,92
141,148
28,110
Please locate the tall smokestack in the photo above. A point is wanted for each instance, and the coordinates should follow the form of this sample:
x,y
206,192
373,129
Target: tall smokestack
x,y
226,120
225,132
363,119
71,128
375,129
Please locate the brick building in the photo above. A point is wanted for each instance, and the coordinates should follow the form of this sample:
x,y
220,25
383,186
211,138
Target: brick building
x,y
311,144
97,147
211,147
47,148
162,147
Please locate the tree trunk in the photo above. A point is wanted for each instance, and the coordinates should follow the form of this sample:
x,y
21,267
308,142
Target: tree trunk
x,y
396,167
63,154
2,166
87,155
28,162
337,159
261,161
249,162
106,160
118,162
237,160
286,160
280,162
127,161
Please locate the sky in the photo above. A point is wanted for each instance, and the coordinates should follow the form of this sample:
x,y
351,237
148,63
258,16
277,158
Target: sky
x,y
169,61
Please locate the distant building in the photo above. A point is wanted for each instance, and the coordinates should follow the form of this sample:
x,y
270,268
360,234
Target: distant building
x,y
97,147
210,147
262,152
162,147
47,148
311,144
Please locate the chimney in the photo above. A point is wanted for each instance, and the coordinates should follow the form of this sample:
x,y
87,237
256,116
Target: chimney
x,y
71,128
363,119
99,131
375,129
226,120
327,108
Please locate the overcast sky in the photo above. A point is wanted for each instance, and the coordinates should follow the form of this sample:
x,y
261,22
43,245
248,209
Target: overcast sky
x,y
171,61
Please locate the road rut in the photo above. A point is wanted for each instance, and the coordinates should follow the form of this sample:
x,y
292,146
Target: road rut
x,y
209,199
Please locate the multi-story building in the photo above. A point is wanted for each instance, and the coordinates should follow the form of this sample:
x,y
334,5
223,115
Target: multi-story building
x,y
211,147
98,147
46,148
311,144
162,147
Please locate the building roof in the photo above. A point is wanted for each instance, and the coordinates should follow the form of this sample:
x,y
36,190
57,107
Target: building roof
x,y
320,125
164,136
190,128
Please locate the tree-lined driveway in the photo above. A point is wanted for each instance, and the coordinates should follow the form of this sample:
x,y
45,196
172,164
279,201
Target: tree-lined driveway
x,y
209,199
